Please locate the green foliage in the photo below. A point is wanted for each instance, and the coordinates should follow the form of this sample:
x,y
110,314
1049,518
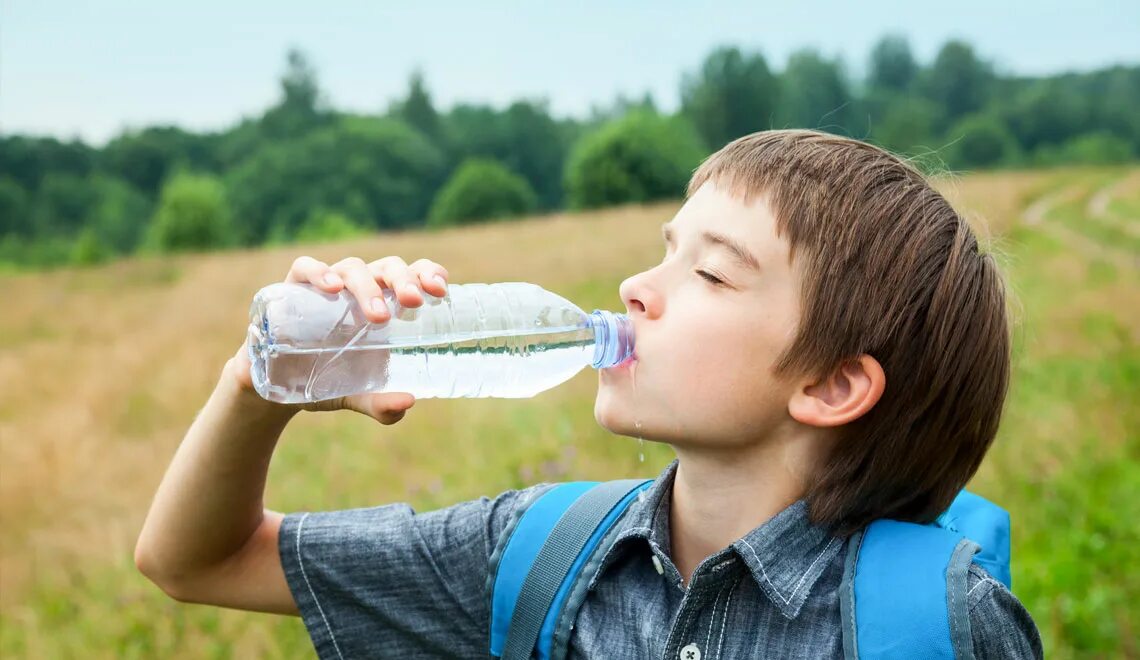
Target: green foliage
x,y
732,95
29,159
145,158
417,110
524,138
481,189
906,125
119,214
301,160
61,205
980,140
639,158
326,225
380,171
814,94
18,252
1100,148
89,250
1045,112
892,66
957,81
192,215
300,109
15,208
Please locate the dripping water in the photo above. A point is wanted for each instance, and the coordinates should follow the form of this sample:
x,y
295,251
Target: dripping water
x,y
637,423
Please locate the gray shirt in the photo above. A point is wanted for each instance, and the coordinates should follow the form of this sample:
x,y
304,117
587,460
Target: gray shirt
x,y
387,582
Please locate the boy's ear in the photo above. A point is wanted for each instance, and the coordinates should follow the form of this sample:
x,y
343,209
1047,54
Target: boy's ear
x,y
844,396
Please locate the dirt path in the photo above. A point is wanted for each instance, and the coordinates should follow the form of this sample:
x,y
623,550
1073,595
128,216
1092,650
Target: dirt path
x,y
1037,215
1098,208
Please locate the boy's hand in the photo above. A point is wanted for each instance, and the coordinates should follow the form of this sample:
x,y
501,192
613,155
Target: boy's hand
x,y
364,281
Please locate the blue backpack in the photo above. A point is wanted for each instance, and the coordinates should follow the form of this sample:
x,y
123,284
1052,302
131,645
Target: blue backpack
x,y
903,593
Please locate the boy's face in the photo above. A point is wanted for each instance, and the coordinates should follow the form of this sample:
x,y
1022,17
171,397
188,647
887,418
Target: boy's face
x,y
706,351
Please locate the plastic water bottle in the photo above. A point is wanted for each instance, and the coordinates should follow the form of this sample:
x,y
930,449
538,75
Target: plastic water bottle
x,y
509,339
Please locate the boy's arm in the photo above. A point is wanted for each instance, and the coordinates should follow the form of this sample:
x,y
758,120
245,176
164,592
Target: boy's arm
x,y
207,537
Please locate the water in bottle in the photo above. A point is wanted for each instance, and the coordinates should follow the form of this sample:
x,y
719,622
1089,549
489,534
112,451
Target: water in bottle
x,y
509,339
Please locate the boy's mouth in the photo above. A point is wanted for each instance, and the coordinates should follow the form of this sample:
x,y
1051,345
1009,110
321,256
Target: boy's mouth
x,y
626,362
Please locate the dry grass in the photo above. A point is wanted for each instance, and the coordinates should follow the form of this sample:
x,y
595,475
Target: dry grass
x,y
102,371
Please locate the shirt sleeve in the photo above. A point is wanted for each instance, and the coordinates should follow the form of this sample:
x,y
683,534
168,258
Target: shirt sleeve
x,y
999,624
386,581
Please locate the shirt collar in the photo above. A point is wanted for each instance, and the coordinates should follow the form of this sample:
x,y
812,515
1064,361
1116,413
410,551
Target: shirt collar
x,y
785,555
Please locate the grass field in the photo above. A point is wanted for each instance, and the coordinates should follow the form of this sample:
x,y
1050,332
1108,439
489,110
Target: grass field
x,y
102,371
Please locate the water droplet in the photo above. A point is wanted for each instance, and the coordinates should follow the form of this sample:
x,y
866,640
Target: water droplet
x,y
636,416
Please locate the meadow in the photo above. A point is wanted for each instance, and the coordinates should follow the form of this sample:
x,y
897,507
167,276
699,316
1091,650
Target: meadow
x,y
102,371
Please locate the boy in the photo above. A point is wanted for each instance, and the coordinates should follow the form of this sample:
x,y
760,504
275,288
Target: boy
x,y
823,345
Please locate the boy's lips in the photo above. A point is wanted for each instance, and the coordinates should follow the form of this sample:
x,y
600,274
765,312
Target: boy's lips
x,y
626,362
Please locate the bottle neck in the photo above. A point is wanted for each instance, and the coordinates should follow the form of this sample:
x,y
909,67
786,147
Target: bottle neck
x,y
613,338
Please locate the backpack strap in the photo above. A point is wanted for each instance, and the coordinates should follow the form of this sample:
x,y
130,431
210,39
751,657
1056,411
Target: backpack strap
x,y
903,593
540,556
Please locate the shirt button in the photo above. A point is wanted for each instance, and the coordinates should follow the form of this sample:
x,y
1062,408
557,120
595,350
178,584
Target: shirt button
x,y
691,652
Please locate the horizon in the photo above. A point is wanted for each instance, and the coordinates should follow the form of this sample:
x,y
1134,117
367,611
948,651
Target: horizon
x,y
91,73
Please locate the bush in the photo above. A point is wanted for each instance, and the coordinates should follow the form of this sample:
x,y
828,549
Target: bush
x,y
481,189
89,250
325,225
379,171
638,158
18,252
1101,148
192,215
981,141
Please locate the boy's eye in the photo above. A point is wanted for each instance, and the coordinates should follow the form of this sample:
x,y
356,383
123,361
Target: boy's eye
x,y
710,277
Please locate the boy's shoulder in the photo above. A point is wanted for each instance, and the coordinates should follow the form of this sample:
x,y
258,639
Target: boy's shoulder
x,y
1000,626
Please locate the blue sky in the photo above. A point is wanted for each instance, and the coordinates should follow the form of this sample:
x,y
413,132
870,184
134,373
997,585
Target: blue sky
x,y
91,69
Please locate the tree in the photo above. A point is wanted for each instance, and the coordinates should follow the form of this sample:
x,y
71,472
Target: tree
x,y
416,110
1046,112
89,250
326,225
640,157
814,94
192,215
15,208
1099,148
481,189
61,205
145,158
906,125
301,108
524,138
980,140
28,160
536,150
731,96
378,171
892,66
957,81
119,215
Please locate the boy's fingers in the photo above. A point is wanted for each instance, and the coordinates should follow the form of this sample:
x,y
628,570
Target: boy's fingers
x,y
309,270
396,275
384,407
432,276
364,287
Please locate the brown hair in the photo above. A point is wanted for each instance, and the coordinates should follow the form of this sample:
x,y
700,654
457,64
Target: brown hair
x,y
889,269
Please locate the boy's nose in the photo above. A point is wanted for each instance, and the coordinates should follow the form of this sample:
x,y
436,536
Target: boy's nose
x,y
638,297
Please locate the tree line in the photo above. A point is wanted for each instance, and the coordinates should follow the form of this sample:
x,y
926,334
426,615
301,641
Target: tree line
x,y
304,170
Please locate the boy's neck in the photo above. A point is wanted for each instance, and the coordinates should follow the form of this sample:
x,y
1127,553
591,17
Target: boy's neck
x,y
719,497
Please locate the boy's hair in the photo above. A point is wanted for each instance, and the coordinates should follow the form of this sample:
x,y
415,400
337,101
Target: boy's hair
x,y
889,269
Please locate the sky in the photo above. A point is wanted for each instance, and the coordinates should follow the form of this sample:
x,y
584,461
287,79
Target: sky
x,y
93,69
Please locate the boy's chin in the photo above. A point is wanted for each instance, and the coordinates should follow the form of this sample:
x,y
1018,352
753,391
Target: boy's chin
x,y
617,419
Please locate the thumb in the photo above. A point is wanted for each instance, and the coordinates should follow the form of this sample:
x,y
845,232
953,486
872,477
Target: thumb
x,y
386,407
